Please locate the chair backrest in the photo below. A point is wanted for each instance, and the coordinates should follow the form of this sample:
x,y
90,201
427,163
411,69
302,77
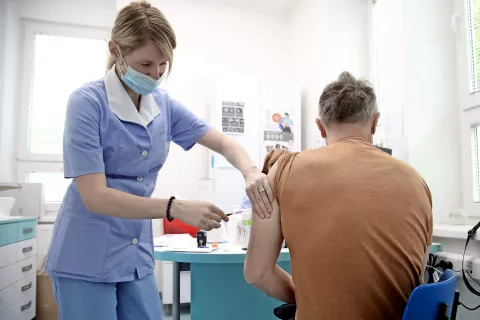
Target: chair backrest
x,y
426,300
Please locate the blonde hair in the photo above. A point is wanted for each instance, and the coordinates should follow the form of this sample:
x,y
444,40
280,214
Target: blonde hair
x,y
139,22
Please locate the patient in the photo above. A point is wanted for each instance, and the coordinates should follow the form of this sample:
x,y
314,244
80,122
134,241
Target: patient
x,y
358,222
270,159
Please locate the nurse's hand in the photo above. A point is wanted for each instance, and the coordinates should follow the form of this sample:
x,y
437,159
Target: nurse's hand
x,y
259,192
198,214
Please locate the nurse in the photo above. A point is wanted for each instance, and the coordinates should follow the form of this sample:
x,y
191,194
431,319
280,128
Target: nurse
x,y
117,136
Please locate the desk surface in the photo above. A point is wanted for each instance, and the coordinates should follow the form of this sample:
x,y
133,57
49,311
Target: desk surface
x,y
231,256
453,231
10,219
217,256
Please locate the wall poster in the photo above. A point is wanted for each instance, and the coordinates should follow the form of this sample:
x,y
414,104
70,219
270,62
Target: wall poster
x,y
278,130
233,120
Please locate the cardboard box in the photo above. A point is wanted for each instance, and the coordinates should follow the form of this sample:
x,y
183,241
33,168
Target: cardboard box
x,y
46,306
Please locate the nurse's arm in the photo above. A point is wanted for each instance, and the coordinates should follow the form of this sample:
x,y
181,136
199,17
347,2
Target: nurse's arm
x,y
255,180
98,198
261,269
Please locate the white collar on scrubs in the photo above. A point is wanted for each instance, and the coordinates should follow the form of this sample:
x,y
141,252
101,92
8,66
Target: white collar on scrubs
x,y
121,104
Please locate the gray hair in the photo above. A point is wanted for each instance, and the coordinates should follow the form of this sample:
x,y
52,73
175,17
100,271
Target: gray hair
x,y
347,100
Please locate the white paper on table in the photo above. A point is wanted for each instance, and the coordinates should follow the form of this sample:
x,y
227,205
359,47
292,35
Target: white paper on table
x,y
192,249
178,241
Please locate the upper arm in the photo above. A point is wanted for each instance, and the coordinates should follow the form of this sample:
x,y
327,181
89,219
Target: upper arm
x,y
82,150
186,128
266,239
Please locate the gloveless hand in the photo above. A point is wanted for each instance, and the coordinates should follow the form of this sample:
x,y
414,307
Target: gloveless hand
x,y
198,214
259,192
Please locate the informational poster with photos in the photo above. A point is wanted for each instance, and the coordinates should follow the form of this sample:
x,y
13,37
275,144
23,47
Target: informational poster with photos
x,y
278,130
233,121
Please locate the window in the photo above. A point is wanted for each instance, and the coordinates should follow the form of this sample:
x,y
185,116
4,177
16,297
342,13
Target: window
x,y
473,16
468,81
61,65
58,60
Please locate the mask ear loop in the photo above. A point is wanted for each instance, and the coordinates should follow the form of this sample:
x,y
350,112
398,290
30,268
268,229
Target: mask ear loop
x,y
121,57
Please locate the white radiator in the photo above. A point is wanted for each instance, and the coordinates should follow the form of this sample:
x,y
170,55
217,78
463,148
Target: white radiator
x,y
44,236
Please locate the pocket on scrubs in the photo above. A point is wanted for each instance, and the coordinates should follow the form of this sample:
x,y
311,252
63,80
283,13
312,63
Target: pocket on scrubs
x,y
79,246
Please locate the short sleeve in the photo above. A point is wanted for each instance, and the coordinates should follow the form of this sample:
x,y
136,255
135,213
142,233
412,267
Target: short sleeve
x,y
187,128
82,151
284,165
246,203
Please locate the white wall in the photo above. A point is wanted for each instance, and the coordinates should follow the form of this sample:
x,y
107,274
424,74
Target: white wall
x,y
308,57
86,12
10,64
418,82
327,37
432,99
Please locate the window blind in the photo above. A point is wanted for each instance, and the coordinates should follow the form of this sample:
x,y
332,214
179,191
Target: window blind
x,y
473,13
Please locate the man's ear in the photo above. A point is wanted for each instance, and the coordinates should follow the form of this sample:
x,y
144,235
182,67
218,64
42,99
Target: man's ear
x,y
321,128
375,123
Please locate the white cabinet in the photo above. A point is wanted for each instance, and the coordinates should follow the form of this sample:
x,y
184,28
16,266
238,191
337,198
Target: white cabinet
x,y
17,268
167,284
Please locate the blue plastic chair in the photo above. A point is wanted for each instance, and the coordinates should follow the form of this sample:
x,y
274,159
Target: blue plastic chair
x,y
433,301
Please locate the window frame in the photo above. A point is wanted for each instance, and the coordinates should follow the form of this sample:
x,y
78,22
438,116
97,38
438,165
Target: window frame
x,y
469,106
26,161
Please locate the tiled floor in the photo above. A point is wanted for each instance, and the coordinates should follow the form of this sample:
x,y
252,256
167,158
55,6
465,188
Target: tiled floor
x,y
185,313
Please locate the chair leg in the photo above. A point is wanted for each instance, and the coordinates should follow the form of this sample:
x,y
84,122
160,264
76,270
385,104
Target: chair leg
x,y
456,300
442,312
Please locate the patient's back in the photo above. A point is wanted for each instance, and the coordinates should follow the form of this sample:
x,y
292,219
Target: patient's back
x,y
357,222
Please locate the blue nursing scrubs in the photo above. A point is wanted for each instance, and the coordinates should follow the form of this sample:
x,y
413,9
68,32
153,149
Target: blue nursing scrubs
x,y
246,203
96,260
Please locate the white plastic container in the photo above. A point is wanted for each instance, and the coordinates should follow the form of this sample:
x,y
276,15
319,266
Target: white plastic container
x,y
234,230
246,226
217,235
6,205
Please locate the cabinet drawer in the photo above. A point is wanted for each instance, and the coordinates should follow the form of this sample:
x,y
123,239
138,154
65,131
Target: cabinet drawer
x,y
22,290
26,288
27,248
27,230
7,297
8,233
8,254
19,270
21,310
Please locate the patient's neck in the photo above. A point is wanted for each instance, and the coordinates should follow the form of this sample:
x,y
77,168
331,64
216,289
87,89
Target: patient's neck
x,y
336,132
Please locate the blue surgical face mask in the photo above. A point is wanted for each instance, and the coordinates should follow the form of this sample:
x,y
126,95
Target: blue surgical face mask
x,y
139,82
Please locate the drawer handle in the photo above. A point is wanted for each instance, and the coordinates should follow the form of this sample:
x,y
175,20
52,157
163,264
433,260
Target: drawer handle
x,y
26,287
27,249
28,305
27,268
27,230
